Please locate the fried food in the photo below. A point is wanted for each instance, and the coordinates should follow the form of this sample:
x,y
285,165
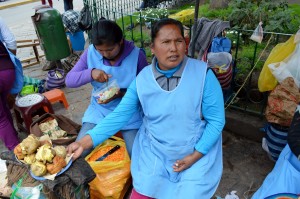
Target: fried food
x,y
57,165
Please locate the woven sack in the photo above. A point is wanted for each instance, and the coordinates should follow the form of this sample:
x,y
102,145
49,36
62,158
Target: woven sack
x,y
55,79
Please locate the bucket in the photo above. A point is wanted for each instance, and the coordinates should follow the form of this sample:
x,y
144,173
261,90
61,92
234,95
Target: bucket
x,y
77,40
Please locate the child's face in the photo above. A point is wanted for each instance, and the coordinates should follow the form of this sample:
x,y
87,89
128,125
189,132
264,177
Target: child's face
x,y
109,51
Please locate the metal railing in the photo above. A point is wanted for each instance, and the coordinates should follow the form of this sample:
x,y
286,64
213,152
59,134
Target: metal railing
x,y
249,99
119,8
245,52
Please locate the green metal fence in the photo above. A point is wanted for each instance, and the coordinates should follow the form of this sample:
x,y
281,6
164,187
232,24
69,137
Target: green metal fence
x,y
248,56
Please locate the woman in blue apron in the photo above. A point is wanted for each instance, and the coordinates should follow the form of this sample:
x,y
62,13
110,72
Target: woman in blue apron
x,y
177,152
108,58
285,176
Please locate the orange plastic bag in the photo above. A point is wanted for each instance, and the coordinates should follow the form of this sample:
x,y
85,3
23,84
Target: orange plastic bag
x,y
112,176
266,80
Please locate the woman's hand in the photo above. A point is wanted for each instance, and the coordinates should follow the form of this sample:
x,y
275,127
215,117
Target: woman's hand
x,y
187,161
100,75
76,148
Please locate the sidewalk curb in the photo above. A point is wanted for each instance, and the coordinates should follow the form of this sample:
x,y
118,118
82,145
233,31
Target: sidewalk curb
x,y
17,4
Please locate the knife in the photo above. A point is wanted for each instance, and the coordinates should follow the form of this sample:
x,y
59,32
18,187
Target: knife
x,y
109,153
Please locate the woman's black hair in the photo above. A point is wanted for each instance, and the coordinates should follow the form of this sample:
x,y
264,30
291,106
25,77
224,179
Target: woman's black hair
x,y
106,32
163,22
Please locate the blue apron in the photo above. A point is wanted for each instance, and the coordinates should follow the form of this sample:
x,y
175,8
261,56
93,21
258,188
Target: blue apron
x,y
284,178
124,74
170,132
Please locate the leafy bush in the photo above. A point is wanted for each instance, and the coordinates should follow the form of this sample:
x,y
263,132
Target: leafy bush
x,y
275,15
205,11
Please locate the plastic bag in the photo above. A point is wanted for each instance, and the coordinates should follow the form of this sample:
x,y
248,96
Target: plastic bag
x,y
85,19
258,33
232,195
220,44
113,177
27,192
290,67
220,62
28,89
184,16
20,192
297,37
266,80
107,91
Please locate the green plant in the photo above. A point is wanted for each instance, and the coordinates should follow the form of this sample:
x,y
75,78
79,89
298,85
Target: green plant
x,y
205,11
129,20
137,36
178,9
275,15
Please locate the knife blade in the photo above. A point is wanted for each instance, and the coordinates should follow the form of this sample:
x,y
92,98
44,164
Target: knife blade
x,y
115,148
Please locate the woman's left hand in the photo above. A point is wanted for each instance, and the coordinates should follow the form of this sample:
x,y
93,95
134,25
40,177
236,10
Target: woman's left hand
x,y
187,161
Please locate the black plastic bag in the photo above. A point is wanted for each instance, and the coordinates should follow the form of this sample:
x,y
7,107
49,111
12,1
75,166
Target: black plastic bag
x,y
85,19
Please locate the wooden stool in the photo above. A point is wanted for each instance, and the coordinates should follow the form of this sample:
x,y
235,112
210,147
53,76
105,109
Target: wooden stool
x,y
56,95
29,106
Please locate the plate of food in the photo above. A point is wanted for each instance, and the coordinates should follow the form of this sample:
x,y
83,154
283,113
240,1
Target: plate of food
x,y
46,161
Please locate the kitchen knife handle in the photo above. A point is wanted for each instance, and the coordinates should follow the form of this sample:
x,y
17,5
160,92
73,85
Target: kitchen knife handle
x,y
115,148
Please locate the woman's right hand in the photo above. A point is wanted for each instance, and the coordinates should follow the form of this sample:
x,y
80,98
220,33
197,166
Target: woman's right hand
x,y
76,149
100,75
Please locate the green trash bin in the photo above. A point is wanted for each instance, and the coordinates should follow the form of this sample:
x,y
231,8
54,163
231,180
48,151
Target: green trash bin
x,y
51,33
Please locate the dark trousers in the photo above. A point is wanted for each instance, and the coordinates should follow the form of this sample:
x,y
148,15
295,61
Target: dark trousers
x,y
8,134
49,1
68,5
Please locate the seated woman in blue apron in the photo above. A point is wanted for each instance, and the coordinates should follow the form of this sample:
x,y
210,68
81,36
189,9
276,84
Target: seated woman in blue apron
x,y
285,176
109,57
177,152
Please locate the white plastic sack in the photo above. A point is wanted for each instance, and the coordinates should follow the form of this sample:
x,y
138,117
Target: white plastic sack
x,y
232,195
27,192
290,67
220,61
297,37
257,35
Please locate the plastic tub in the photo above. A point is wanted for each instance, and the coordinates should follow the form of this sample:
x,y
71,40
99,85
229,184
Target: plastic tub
x,y
77,40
